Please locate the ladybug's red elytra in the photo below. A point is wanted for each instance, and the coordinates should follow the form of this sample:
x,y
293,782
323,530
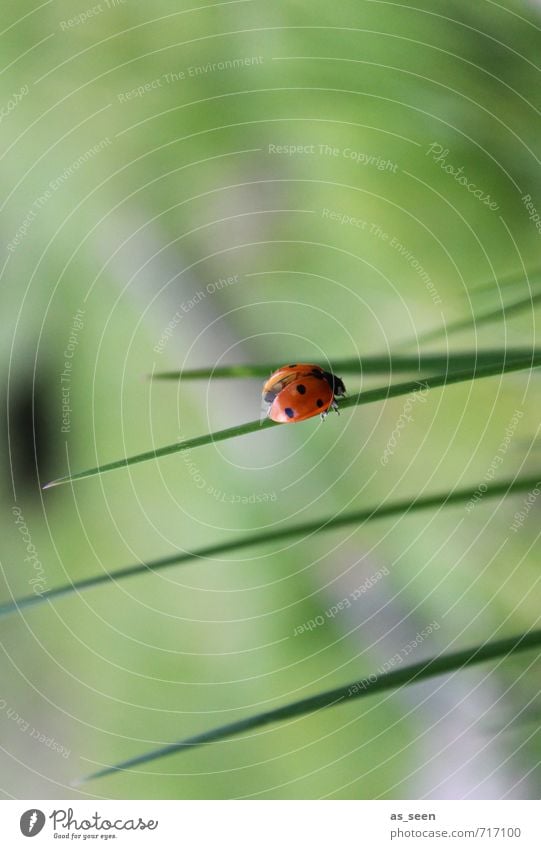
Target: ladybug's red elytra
x,y
299,391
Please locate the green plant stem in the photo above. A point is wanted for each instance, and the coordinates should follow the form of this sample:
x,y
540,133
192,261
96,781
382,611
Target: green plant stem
x,y
474,321
525,361
438,665
305,529
508,281
366,365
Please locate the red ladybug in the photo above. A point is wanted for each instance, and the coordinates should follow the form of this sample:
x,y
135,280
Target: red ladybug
x,y
299,391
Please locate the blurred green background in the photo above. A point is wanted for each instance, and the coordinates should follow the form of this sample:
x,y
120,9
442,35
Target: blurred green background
x,y
294,151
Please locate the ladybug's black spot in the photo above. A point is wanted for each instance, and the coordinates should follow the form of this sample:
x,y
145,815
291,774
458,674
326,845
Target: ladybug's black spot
x,y
301,389
319,402
292,365
289,412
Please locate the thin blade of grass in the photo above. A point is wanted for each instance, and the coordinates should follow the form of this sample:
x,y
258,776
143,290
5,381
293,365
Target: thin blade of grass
x,y
529,360
186,445
412,674
305,529
508,281
481,318
368,365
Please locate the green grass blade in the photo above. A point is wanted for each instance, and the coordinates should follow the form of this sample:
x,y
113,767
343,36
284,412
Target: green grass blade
x,y
305,529
368,365
508,281
524,361
412,674
485,317
186,445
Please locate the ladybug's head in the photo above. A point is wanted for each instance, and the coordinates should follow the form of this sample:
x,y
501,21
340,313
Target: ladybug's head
x,y
336,384
338,388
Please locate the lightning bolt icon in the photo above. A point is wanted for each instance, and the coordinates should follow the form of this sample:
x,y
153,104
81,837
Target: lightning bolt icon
x,y
32,821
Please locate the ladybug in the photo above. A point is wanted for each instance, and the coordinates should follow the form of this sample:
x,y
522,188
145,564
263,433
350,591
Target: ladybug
x,y
299,391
